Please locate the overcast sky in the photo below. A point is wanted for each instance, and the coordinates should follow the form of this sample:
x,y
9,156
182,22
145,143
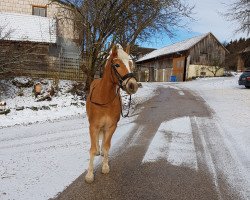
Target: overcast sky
x,y
208,19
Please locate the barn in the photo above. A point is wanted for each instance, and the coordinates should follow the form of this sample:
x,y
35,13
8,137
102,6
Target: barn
x,y
199,56
243,60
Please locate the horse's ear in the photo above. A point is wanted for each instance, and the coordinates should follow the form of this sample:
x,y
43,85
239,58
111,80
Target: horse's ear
x,y
128,49
114,50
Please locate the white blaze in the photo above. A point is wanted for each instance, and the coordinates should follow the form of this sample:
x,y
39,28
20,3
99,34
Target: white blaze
x,y
124,57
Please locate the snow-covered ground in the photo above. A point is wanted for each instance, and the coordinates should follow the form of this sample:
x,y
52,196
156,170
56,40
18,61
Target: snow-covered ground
x,y
231,104
64,105
40,160
36,154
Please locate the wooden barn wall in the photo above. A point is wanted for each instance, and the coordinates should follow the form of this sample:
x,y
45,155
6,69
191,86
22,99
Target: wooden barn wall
x,y
207,52
158,69
160,63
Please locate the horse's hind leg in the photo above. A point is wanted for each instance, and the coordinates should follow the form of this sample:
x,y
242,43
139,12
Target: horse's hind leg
x,y
94,135
98,138
105,149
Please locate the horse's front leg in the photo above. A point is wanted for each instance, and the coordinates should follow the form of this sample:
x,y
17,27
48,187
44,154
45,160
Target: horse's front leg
x,y
105,148
94,135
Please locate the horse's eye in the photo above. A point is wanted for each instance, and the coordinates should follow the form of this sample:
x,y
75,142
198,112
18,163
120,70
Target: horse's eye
x,y
117,65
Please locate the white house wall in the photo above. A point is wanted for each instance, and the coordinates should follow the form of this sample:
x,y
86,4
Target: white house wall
x,y
21,27
65,28
195,71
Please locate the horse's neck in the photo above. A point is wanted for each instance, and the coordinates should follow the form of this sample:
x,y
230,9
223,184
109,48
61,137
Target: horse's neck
x,y
107,81
105,91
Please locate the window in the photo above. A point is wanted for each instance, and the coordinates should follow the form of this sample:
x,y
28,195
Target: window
x,y
39,11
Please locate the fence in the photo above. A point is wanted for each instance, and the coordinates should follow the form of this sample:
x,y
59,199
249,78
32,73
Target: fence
x,y
66,66
70,67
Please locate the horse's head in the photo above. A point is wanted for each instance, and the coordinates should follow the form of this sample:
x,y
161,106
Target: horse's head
x,y
122,66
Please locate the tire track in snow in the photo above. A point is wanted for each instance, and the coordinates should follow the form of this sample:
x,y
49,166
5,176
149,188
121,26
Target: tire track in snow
x,y
196,142
220,159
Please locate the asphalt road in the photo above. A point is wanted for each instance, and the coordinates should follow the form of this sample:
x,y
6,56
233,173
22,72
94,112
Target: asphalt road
x,y
131,179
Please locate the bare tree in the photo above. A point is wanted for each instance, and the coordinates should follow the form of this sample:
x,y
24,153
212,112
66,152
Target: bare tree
x,y
239,12
215,65
4,32
100,23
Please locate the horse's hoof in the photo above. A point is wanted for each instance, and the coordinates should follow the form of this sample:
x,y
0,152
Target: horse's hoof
x,y
89,178
97,153
105,169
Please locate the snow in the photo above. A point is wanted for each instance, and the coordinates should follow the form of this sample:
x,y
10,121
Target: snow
x,y
39,160
180,46
179,148
65,105
62,106
38,164
225,136
28,27
230,103
35,165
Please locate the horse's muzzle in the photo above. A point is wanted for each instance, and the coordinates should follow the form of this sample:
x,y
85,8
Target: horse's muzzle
x,y
130,85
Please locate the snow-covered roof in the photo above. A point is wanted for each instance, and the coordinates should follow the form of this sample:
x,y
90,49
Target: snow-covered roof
x,y
27,28
177,47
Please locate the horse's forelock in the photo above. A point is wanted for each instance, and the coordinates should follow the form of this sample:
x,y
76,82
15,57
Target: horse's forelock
x,y
122,55
118,46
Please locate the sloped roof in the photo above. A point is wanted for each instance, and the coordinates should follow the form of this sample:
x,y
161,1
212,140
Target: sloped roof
x,y
27,28
177,47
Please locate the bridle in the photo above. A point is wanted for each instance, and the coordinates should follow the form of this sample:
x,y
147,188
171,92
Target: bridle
x,y
120,78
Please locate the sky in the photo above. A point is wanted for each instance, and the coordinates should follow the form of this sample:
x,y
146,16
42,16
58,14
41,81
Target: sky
x,y
208,19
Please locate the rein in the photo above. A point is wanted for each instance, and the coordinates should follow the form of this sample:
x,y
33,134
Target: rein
x,y
129,103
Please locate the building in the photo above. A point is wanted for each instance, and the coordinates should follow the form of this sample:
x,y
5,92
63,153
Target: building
x,y
14,14
40,33
243,60
199,56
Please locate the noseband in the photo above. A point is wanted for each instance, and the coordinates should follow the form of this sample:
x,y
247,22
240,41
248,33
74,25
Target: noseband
x,y
121,78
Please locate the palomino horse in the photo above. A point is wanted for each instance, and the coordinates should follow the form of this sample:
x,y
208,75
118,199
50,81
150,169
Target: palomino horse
x,y
104,104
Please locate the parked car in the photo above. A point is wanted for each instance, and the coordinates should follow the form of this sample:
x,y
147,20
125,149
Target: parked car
x,y
245,79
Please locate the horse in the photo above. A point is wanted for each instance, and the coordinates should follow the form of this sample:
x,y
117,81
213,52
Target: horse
x,y
104,106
